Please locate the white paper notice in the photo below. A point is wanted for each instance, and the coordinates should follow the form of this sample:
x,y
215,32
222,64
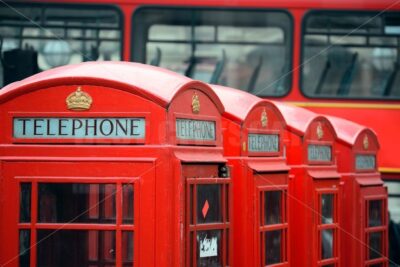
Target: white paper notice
x,y
208,247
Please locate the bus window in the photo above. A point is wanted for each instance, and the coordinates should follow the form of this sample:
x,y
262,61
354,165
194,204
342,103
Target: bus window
x,y
250,50
351,55
34,38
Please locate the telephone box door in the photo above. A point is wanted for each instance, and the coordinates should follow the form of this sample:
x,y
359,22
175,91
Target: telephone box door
x,y
207,215
271,218
77,214
374,202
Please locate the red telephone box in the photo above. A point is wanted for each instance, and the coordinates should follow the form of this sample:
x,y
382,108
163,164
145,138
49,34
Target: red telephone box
x,y
112,164
314,191
252,132
364,215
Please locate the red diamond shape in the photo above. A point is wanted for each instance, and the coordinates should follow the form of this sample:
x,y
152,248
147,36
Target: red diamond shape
x,y
206,206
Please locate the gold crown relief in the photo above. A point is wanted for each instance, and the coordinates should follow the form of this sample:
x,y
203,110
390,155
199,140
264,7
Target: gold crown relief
x,y
79,100
195,104
320,131
264,119
366,142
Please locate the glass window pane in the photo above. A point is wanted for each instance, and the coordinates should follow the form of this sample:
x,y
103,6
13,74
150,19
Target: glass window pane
x,y
76,203
24,248
209,203
209,248
349,55
273,245
25,202
75,248
251,50
375,245
127,204
375,213
327,243
273,207
127,248
327,208
59,36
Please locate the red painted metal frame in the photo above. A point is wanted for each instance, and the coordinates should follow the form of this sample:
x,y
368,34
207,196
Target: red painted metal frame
x,y
310,178
334,226
137,89
192,226
359,186
367,197
264,228
243,116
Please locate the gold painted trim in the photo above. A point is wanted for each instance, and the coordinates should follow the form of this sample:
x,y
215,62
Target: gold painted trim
x,y
344,105
383,169
195,104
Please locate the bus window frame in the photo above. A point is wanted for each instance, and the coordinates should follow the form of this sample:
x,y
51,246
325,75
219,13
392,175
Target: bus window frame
x,y
291,33
87,6
311,12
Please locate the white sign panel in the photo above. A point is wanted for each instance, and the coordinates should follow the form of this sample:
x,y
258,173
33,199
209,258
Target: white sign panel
x,y
263,142
319,153
365,162
195,130
80,128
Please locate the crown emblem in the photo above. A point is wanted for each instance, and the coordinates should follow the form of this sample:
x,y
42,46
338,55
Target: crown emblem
x,y
264,119
79,100
320,132
366,142
195,104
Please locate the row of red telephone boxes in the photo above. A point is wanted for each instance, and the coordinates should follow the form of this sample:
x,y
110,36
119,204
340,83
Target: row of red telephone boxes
x,y
123,164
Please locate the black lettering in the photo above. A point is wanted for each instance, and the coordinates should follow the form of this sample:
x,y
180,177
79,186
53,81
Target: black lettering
x,y
23,125
103,128
121,127
36,126
134,126
48,128
62,126
76,125
94,127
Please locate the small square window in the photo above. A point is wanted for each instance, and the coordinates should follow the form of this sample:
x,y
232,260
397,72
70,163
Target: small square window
x,y
375,213
209,203
327,243
273,207
273,246
327,208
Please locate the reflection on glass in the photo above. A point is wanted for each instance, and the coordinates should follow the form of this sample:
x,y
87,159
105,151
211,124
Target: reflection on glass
x,y
209,250
273,245
375,213
127,248
327,243
209,203
375,245
76,203
88,34
351,58
25,202
64,248
327,208
24,247
273,207
127,203
248,51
